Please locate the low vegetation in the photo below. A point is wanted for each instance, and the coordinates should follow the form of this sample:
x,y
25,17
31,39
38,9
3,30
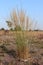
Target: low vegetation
x,y
22,45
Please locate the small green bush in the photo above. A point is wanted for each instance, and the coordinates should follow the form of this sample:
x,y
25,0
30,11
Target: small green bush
x,y
11,29
2,29
17,28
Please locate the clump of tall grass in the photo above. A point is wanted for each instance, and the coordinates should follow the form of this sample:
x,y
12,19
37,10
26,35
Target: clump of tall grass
x,y
22,45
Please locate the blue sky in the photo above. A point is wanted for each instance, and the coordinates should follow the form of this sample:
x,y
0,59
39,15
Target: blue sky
x,y
33,8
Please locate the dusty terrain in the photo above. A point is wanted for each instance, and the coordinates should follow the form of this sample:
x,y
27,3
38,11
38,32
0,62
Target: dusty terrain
x,y
8,53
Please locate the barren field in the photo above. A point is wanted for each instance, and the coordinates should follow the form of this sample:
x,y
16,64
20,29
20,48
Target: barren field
x,y
8,48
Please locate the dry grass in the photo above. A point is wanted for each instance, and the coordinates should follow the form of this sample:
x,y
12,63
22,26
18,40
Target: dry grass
x,y
35,43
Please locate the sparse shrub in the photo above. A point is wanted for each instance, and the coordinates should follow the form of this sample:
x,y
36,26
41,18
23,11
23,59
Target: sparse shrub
x,y
2,29
11,29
